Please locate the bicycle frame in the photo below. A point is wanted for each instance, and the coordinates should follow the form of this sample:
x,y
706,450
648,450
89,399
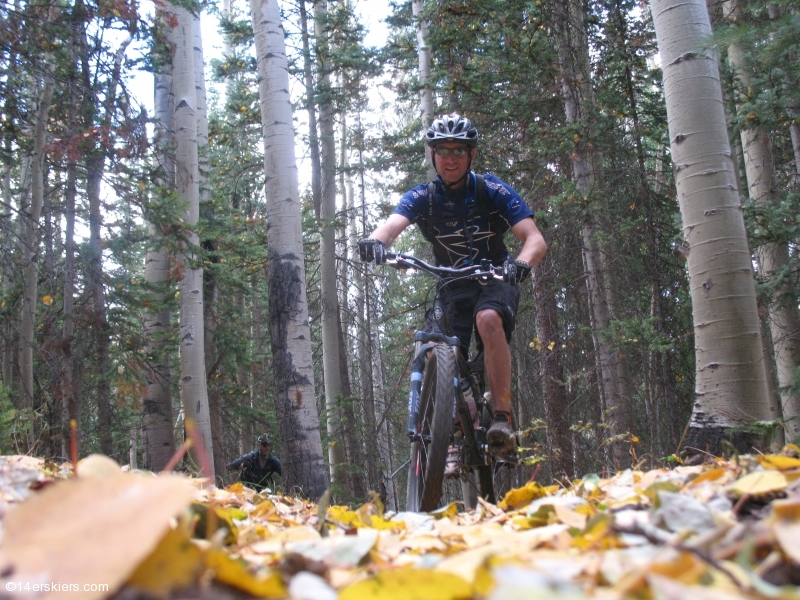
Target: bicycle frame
x,y
425,342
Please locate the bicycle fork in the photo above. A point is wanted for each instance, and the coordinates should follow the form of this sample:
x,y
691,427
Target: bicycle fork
x,y
424,341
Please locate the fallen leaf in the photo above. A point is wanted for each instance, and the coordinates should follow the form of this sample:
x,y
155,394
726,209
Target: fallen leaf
x,y
759,483
785,521
174,565
449,511
523,496
683,514
90,531
235,573
779,462
341,551
409,584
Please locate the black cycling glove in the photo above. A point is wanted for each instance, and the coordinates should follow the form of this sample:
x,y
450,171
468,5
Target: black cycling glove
x,y
515,271
523,270
372,250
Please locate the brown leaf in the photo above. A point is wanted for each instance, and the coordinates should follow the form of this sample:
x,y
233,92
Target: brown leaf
x,y
90,531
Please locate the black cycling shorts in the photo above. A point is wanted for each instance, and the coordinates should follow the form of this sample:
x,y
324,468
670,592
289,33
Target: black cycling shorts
x,y
463,301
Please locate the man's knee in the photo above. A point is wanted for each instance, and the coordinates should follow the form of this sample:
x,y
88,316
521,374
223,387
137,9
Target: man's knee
x,y
489,322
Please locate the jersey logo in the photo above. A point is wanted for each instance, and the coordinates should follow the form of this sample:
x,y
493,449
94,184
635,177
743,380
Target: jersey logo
x,y
458,246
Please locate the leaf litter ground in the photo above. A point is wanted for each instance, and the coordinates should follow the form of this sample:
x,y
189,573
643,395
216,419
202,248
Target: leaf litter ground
x,y
726,529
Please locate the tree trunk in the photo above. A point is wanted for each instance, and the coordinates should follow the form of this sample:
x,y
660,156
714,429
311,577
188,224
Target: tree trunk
x,y
290,334
194,393
353,433
772,257
578,97
554,395
327,246
311,109
158,439
30,227
426,93
731,389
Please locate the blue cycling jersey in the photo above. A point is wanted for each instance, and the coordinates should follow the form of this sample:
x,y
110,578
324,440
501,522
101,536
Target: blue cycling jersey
x,y
463,228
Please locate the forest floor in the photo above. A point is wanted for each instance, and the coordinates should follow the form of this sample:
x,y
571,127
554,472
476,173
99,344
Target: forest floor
x,y
726,529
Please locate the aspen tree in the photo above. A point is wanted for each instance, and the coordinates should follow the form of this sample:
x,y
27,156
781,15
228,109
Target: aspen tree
x,y
327,250
295,401
157,429
730,388
772,257
194,391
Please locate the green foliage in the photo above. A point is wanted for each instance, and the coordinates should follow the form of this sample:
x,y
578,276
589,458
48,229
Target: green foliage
x,y
9,418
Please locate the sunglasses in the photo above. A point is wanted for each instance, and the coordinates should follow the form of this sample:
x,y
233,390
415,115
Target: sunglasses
x,y
457,152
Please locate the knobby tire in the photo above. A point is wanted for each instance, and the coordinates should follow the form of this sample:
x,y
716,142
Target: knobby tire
x,y
429,451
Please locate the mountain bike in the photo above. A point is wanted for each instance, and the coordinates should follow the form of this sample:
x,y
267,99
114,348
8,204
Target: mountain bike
x,y
442,380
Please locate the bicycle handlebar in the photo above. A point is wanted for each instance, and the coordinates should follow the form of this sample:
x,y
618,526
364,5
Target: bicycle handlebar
x,y
482,272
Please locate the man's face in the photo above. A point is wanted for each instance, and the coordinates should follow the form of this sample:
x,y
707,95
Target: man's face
x,y
264,449
452,168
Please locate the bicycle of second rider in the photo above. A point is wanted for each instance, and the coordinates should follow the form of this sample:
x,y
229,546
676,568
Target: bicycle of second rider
x,y
446,390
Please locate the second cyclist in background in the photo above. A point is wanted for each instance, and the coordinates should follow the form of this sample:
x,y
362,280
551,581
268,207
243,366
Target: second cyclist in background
x,y
465,217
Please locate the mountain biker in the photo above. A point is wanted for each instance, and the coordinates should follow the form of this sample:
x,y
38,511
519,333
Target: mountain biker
x,y
465,216
259,466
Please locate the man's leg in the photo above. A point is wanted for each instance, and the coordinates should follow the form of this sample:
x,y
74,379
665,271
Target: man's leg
x,y
497,362
496,357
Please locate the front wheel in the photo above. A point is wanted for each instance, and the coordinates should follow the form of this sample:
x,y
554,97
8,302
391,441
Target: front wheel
x,y
435,423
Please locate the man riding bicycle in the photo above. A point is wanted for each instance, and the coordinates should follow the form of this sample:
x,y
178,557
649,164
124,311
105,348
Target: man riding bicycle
x,y
259,467
465,216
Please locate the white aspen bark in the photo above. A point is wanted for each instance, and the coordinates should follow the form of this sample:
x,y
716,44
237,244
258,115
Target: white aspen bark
x,y
731,388
313,138
194,393
426,94
304,466
762,188
30,227
157,430
328,294
211,286
133,463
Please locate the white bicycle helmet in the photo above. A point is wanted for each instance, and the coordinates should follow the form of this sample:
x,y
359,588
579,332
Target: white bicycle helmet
x,y
452,128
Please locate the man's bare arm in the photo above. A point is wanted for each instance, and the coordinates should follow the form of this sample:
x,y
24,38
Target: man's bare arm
x,y
388,231
533,245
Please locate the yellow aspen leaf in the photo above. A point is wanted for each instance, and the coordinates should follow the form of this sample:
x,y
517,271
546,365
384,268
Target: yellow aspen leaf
x,y
791,449
210,520
345,516
786,526
47,300
759,483
598,535
409,584
684,567
519,497
262,509
377,522
779,462
235,574
174,565
710,475
449,511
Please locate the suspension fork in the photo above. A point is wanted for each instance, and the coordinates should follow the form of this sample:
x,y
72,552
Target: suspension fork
x,y
424,341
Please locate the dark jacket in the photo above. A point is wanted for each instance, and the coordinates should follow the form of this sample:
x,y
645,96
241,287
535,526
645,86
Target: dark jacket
x,y
253,473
